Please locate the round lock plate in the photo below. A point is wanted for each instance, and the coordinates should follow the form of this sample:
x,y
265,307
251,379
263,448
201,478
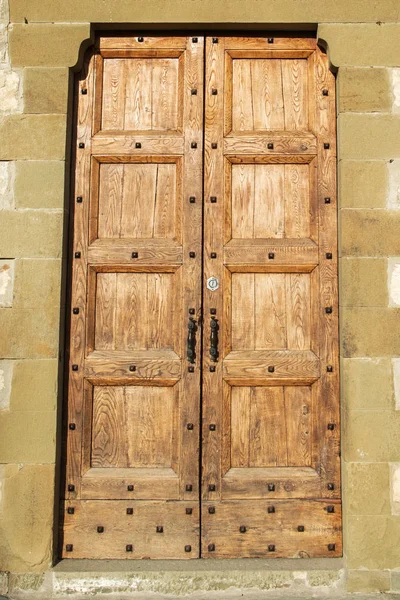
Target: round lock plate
x,y
212,283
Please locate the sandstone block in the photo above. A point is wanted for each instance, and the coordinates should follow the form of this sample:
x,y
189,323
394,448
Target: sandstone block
x,y
369,136
363,184
45,90
367,383
365,90
37,137
363,282
39,184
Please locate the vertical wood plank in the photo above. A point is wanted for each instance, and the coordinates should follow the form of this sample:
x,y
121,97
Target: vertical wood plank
x,y
242,209
298,415
268,428
269,207
270,314
241,427
243,315
298,311
297,201
295,93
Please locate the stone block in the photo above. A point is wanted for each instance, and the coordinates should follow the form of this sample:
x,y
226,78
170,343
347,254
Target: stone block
x,y
10,92
4,12
6,376
395,488
36,137
362,44
46,44
364,90
371,436
393,200
34,385
29,333
373,543
6,283
7,177
31,234
393,280
39,184
368,582
370,232
45,90
369,136
38,283
367,488
26,525
3,44
396,381
367,383
396,90
370,332
203,11
363,282
363,184
27,437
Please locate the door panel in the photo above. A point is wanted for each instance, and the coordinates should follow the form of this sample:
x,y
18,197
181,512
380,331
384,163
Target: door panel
x,y
270,402
208,273
134,405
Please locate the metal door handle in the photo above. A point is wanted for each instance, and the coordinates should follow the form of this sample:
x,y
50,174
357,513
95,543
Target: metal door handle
x,y
191,340
214,339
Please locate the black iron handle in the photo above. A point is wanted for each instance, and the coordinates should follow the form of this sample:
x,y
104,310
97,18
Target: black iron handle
x,y
214,339
191,340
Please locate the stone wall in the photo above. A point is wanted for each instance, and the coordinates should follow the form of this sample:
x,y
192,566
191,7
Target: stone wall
x,y
39,43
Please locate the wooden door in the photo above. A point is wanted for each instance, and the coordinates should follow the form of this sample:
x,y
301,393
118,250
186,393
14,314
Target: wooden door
x,y
252,221
132,476
271,466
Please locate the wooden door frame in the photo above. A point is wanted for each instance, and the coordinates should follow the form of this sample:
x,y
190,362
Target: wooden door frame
x,y
85,49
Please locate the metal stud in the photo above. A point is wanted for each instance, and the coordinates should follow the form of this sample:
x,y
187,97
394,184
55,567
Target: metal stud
x,y
79,199
188,548
213,311
69,547
215,40
130,488
193,145
330,509
132,368
331,547
331,486
328,255
192,311
195,40
211,510
192,199
242,529
214,91
72,426
271,369
191,369
270,146
331,426
77,254
190,426
325,92
271,255
75,367
129,548
326,146
329,369
211,547
212,427
193,92
192,254
271,487
70,510
214,145
159,529
213,255
213,199
327,200
129,511
271,548
212,369
328,310
211,488
135,254
189,487
271,509
300,528
81,145
100,529
270,40
84,91
140,39
71,487
189,511
138,145
75,311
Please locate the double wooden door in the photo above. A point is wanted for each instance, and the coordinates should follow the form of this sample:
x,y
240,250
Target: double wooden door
x,y
203,411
